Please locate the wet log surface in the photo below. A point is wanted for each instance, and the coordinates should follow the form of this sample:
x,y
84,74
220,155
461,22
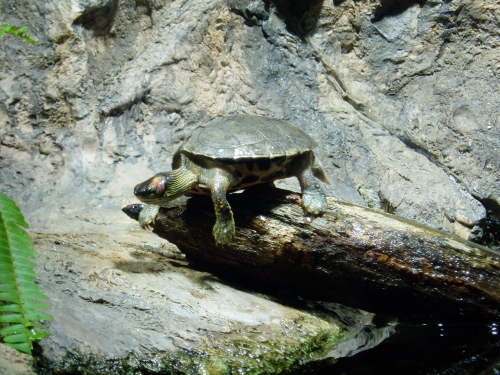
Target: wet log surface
x,y
354,255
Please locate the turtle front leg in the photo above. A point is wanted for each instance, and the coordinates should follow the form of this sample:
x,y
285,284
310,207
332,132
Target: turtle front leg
x,y
224,228
147,216
313,197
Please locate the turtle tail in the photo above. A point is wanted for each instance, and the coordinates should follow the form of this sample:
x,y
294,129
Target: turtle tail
x,y
318,172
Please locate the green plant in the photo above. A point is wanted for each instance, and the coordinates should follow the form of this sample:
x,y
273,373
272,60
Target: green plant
x,y
19,295
21,32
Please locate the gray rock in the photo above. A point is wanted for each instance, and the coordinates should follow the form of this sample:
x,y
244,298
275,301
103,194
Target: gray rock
x,y
403,101
123,303
13,362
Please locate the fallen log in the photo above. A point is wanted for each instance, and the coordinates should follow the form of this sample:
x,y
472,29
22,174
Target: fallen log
x,y
358,256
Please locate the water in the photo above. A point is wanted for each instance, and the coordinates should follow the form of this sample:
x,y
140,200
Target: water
x,y
436,348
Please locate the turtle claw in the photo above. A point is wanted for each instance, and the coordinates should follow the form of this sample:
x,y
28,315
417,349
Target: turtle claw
x,y
148,227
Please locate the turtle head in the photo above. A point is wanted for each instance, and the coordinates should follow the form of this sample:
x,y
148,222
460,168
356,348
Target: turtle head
x,y
165,186
153,189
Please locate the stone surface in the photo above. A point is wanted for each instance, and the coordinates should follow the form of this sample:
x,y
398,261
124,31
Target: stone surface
x,y
122,303
402,98
13,362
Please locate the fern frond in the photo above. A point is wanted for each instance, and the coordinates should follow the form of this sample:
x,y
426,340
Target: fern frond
x,y
19,295
21,32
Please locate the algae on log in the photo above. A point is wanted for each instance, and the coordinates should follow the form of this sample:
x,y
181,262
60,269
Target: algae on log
x,y
354,255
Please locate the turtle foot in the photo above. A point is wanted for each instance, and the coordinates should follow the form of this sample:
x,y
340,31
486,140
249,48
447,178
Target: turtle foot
x,y
314,203
147,216
224,231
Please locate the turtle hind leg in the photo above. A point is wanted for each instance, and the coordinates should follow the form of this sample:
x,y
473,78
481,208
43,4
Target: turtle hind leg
x,y
313,197
224,228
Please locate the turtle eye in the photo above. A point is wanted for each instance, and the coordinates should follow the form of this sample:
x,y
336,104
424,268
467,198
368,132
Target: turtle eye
x,y
157,186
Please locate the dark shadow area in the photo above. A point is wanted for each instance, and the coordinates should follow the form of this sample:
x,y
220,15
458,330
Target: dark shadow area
x,y
148,262
389,8
139,266
99,19
259,194
287,283
490,225
430,348
300,16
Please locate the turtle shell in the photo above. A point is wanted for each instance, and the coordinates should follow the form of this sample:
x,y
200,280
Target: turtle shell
x,y
247,137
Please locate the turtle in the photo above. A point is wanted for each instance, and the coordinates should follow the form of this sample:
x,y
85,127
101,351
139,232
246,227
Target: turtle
x,y
232,153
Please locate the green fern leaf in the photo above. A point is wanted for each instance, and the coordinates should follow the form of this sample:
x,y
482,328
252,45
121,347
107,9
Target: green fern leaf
x,y
7,285
12,329
20,337
11,308
23,347
9,297
11,318
19,295
37,335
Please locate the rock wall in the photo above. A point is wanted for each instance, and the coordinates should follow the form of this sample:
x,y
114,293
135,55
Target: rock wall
x,y
401,96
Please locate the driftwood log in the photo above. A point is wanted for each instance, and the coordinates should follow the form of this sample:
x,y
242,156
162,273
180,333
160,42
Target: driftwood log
x,y
354,255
